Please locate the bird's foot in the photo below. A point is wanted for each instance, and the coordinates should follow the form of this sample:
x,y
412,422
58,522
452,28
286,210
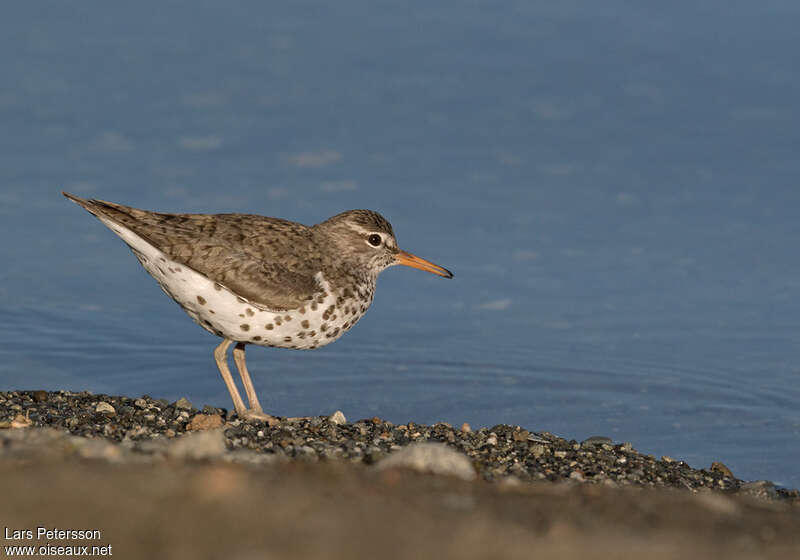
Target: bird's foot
x,y
253,415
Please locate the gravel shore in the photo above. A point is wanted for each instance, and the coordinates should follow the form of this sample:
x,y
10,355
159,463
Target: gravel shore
x,y
148,473
145,426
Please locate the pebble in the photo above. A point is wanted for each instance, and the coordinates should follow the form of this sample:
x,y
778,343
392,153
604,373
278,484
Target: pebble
x,y
183,404
105,409
433,458
759,489
204,422
716,466
596,440
208,444
337,418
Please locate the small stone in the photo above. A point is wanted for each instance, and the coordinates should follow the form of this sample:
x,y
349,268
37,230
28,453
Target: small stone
x,y
40,396
337,418
204,422
140,403
577,475
97,449
667,459
466,428
183,404
20,421
208,444
716,466
492,439
560,454
434,458
596,440
759,489
105,409
521,435
537,450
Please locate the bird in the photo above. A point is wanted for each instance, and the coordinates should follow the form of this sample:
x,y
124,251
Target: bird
x,y
252,279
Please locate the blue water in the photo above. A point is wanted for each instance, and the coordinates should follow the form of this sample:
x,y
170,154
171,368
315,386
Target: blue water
x,y
615,187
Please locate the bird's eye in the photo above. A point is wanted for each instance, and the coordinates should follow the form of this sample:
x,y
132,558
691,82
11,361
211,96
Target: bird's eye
x,y
374,239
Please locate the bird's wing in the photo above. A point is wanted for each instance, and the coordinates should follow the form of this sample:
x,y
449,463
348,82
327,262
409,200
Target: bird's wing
x,y
269,262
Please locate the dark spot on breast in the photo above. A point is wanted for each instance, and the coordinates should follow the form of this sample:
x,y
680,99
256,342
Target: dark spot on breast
x,y
304,324
244,327
312,333
312,346
211,311
278,320
292,346
241,315
287,338
301,334
302,310
269,327
201,300
178,269
287,318
162,259
172,270
249,312
161,270
314,306
218,287
323,327
336,331
333,317
346,325
256,338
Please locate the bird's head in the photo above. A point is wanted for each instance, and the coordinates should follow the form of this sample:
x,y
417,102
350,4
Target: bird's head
x,y
365,238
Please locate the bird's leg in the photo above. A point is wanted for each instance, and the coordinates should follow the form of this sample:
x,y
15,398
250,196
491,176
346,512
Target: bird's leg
x,y
241,365
255,412
221,356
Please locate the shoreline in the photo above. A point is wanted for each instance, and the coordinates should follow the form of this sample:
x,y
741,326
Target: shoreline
x,y
164,480
501,453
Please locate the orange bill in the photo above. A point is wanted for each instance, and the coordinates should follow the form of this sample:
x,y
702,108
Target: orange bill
x,y
414,261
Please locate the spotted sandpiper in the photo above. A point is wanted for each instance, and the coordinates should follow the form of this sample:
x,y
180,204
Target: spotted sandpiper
x,y
256,280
